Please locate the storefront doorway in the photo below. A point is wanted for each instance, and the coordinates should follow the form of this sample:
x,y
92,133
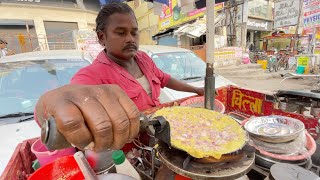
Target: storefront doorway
x,y
256,27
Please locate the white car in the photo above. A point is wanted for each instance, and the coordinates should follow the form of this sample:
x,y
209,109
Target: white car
x,y
23,79
181,64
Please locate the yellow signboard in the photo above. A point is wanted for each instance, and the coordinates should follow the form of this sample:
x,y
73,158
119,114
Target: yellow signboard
x,y
303,61
172,16
317,51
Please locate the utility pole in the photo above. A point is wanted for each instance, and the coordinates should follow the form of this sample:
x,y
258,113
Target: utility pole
x,y
209,79
295,44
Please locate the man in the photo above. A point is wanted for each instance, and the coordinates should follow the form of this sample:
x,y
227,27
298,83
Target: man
x,y
101,107
4,51
274,49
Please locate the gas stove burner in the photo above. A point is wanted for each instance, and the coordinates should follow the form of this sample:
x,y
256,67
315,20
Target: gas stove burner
x,y
174,160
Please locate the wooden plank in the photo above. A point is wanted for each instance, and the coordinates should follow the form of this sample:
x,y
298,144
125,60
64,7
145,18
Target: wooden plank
x,y
20,163
15,166
27,156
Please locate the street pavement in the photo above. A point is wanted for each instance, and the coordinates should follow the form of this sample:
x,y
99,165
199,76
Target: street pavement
x,y
273,84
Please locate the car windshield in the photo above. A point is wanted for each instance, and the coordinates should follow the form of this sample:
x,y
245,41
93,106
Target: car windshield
x,y
22,83
180,65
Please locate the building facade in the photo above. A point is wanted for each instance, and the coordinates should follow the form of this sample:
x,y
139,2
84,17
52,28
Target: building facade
x,y
29,25
259,22
158,23
147,20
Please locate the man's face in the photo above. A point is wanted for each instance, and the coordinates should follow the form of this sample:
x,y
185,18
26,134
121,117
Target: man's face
x,y
2,46
121,36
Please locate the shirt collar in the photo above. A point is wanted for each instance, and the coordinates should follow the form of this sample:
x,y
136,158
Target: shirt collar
x,y
103,58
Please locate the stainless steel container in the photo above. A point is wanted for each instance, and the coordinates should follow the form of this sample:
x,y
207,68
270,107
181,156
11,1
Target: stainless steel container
x,y
101,162
315,109
289,107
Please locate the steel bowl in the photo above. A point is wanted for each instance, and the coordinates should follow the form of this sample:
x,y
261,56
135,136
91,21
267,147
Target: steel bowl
x,y
274,129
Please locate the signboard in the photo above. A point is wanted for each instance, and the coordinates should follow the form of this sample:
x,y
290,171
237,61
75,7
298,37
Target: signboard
x,y
171,15
303,60
227,56
317,50
88,41
286,13
245,101
259,25
311,15
242,13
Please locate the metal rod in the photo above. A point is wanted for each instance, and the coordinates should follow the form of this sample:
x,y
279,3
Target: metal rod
x,y
295,45
209,79
153,162
84,166
313,41
186,162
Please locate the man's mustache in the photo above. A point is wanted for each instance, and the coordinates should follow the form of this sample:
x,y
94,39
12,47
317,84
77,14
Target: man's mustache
x,y
130,46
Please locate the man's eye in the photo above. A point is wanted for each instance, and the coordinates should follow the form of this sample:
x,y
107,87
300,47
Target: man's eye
x,y
134,33
121,33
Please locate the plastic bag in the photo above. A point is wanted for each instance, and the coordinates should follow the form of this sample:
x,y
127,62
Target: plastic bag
x,y
292,148
245,58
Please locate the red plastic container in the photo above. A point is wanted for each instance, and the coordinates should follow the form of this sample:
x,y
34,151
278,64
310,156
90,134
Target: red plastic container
x,y
45,156
64,168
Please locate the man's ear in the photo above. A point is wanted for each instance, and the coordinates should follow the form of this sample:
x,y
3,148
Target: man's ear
x,y
102,37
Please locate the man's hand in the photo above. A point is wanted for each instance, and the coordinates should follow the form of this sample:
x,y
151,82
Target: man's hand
x,y
91,116
199,91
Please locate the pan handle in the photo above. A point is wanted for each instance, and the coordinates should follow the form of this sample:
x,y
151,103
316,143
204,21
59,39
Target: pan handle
x,y
54,140
51,136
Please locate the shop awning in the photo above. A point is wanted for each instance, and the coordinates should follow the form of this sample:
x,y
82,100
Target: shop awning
x,y
164,33
15,22
197,28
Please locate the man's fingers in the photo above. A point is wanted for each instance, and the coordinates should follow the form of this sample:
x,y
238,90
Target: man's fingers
x,y
97,121
120,124
102,116
132,112
71,124
119,119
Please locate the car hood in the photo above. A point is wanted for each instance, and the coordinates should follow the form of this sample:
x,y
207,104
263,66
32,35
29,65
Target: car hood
x,y
172,95
12,135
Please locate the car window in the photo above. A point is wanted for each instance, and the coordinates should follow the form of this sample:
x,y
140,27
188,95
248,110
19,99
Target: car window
x,y
22,83
180,65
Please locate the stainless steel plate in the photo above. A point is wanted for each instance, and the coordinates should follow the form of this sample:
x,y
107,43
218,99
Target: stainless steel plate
x,y
274,129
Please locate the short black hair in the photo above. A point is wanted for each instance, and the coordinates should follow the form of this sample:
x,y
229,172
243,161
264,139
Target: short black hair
x,y
109,9
3,41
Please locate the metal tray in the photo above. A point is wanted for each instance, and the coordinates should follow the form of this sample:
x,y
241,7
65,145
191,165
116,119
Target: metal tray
x,y
274,129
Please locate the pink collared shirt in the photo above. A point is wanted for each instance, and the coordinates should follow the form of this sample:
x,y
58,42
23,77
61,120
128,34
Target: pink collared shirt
x,y
105,71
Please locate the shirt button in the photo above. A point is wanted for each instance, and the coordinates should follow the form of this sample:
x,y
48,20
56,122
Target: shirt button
x,y
136,98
